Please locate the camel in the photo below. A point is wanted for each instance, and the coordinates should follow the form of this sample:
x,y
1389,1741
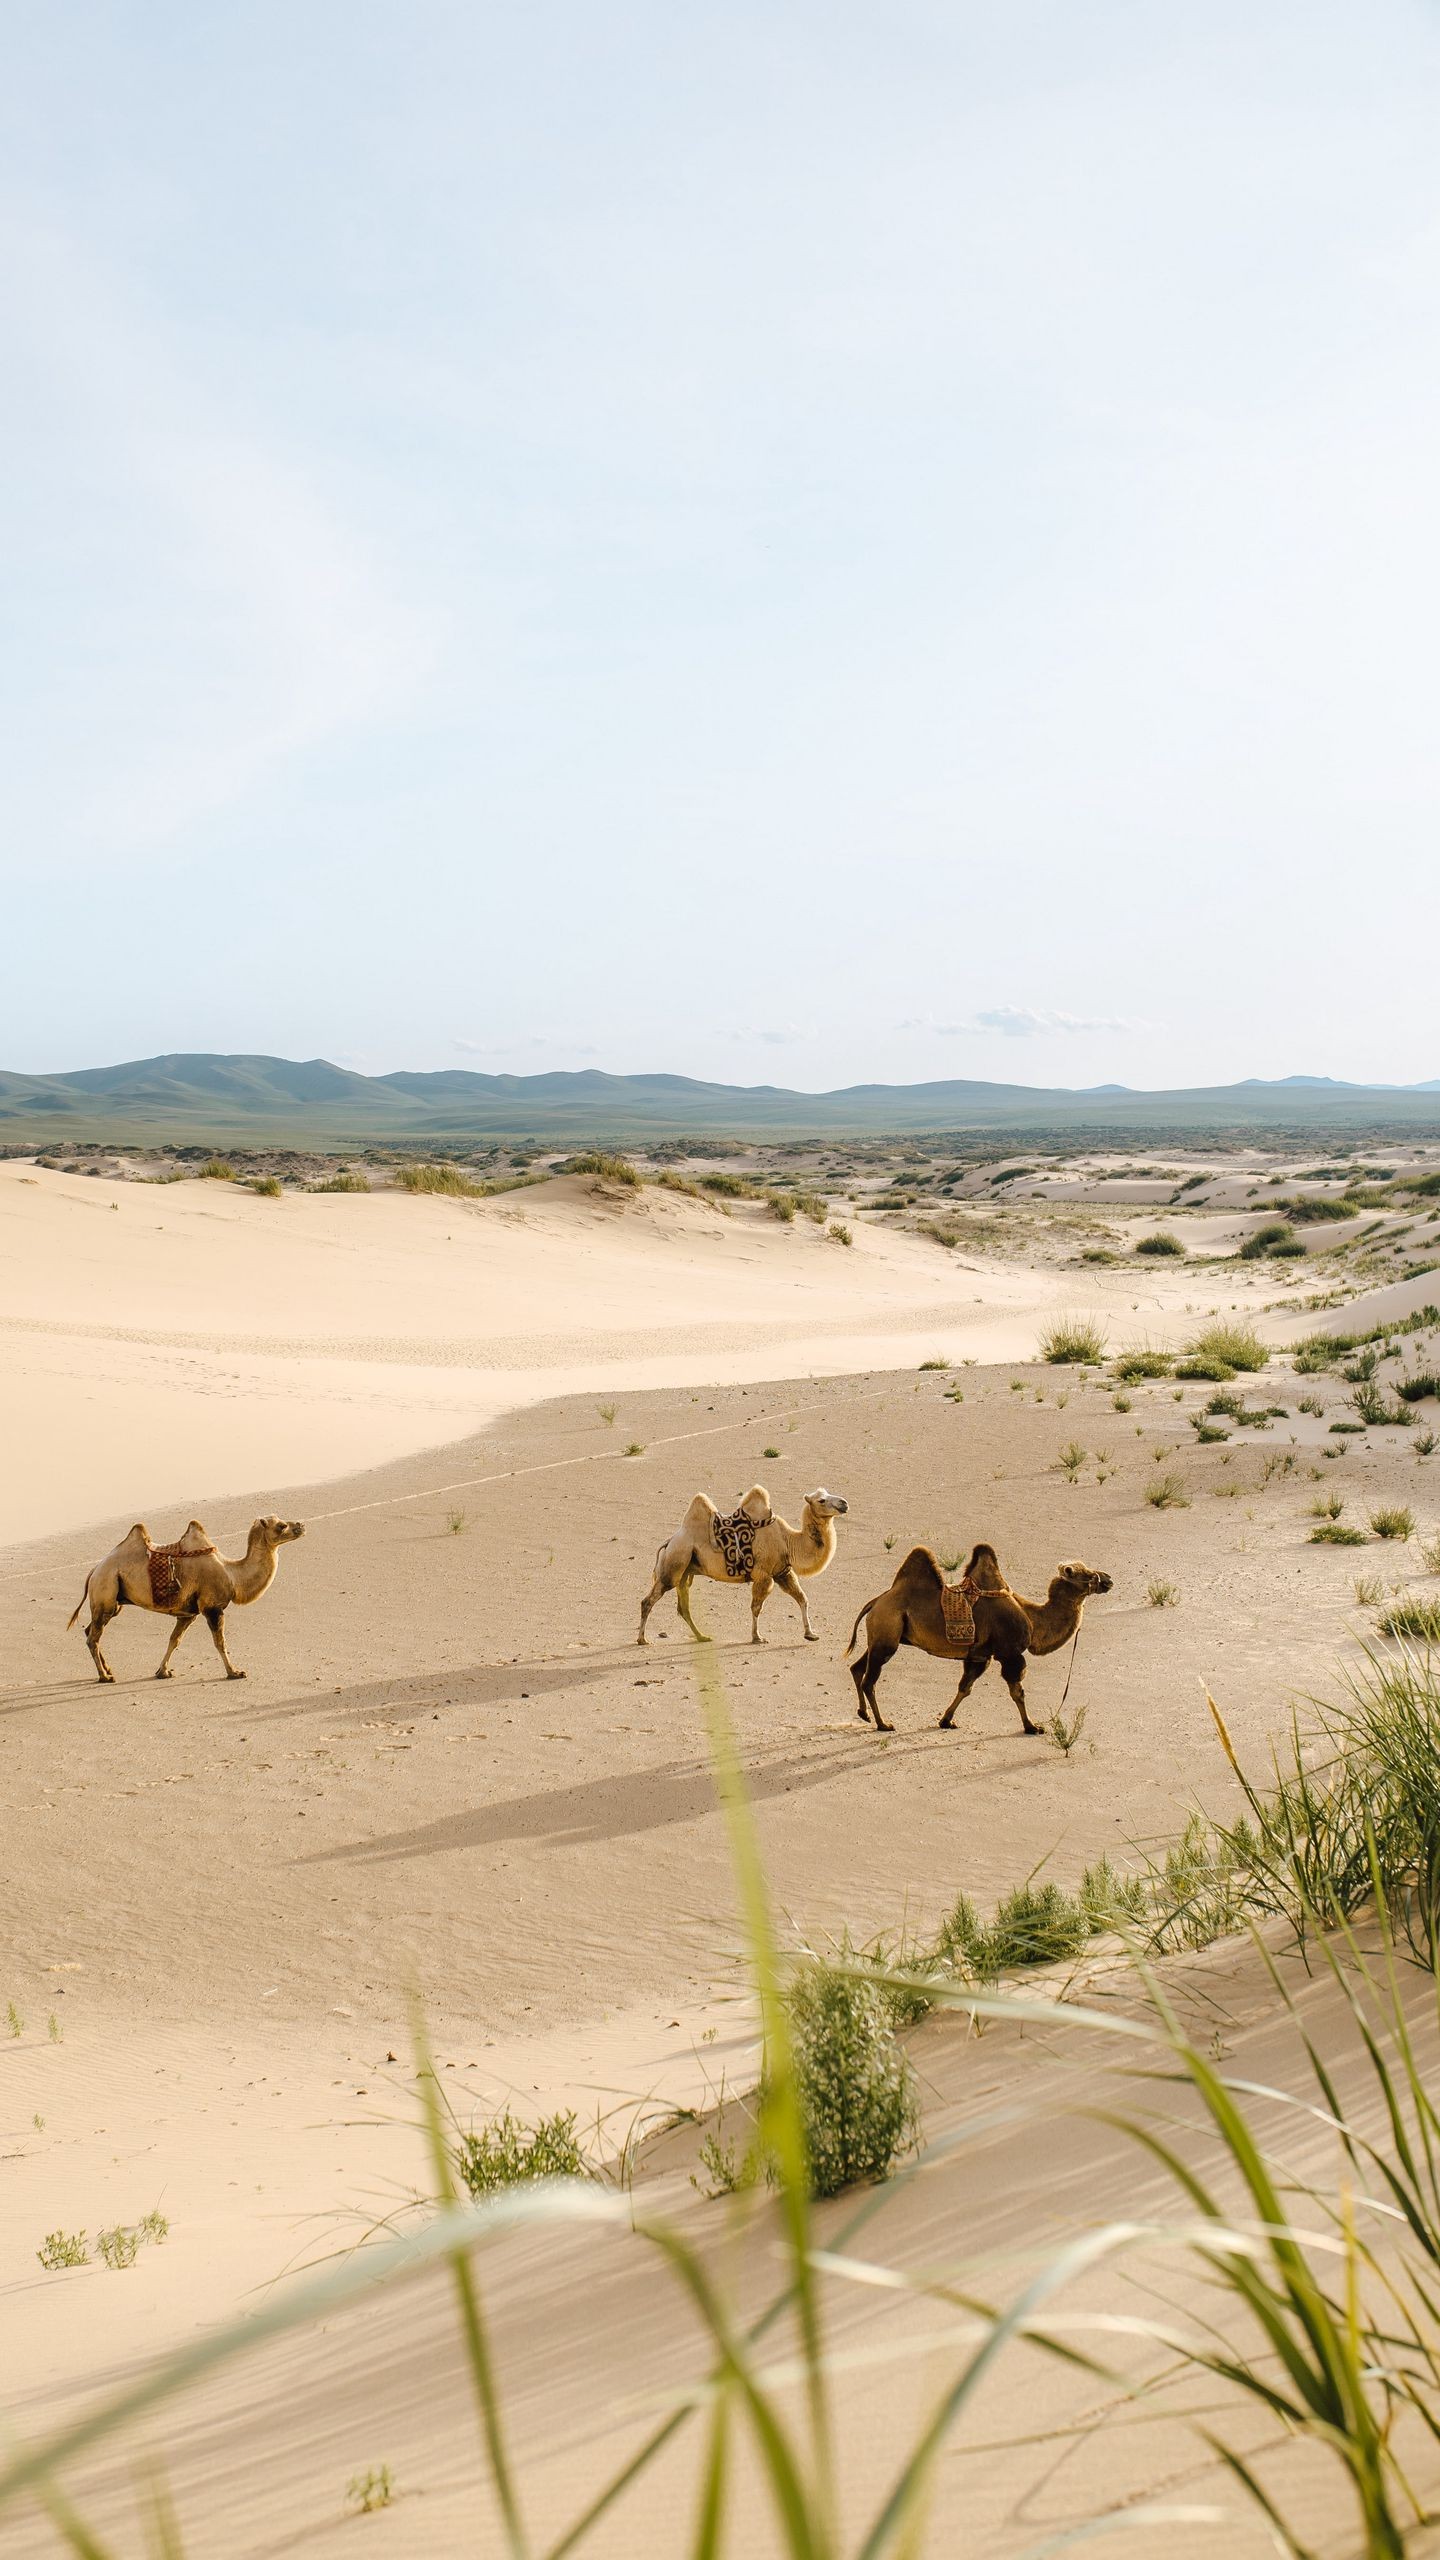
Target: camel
x,y
190,1580
1007,1627
778,1555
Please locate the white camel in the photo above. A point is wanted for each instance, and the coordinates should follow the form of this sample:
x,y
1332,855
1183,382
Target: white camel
x,y
766,1552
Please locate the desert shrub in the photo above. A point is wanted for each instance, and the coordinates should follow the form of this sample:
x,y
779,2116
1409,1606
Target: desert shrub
x,y
343,1182
840,1232
507,2153
1071,1339
670,1180
854,2085
1425,1186
1238,1345
1142,1361
1036,1924
1276,1231
731,1186
217,1170
1417,1618
1420,1384
371,2490
1161,1244
781,1205
1123,1404
1199,1891
1161,1595
63,2249
1365,1195
1334,1533
267,1186
1316,1212
1099,1253
1290,1249
595,1160
119,2247
813,1205
1206,1432
444,1178
1327,1506
1167,1493
1394,1520
1373,1405
1110,1900
1203,1364
957,1938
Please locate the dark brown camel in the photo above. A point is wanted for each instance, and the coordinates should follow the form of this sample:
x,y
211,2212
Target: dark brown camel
x,y
1006,1626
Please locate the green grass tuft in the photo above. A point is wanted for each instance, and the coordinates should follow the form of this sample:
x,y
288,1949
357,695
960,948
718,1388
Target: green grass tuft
x,y
1072,1339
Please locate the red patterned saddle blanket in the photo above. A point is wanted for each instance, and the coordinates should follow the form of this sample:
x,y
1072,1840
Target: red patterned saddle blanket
x,y
164,1564
958,1602
735,1538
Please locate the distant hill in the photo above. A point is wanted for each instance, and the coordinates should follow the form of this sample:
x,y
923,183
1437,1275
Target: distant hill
x,y
280,1101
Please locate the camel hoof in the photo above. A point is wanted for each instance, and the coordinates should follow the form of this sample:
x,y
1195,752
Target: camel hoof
x,y
163,1674
810,1636
1035,1729
234,1675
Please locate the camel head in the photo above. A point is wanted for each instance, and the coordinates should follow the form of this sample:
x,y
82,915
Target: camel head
x,y
273,1533
825,1506
1083,1580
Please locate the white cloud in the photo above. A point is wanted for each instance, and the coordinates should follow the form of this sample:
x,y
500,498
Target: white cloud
x,y
1023,1022
541,1042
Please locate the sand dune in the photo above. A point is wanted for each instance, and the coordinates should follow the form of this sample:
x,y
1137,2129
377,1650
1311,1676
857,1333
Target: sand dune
x,y
163,1340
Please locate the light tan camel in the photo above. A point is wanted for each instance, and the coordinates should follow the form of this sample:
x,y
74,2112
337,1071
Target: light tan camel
x,y
780,1555
194,1582
1007,1627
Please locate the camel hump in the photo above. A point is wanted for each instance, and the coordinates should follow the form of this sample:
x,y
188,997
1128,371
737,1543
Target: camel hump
x,y
756,1506
983,1569
921,1566
195,1539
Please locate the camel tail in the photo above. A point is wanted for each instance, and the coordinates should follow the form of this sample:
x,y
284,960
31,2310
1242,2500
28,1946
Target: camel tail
x,y
79,1605
865,1612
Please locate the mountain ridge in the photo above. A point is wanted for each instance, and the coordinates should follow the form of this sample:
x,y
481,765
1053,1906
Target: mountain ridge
x,y
235,1096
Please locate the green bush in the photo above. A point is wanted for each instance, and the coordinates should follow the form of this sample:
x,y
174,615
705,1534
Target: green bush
x,y
344,1182
1141,1361
1167,1493
1396,1520
1161,1244
217,1170
614,1168
267,1186
1334,1533
1267,1239
444,1178
1203,1364
1238,1345
1036,1924
1073,1339
854,2084
1416,1618
507,2153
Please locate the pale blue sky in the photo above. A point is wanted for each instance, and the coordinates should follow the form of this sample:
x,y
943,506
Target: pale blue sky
x,y
779,541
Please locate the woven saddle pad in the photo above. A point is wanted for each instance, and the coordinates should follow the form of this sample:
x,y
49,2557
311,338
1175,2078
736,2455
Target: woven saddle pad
x,y
735,1538
958,1602
164,1564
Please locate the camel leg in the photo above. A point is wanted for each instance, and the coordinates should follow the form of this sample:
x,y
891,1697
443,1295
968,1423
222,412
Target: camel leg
x,y
215,1621
656,1592
100,1620
183,1624
682,1603
874,1663
1012,1672
975,1664
789,1582
761,1586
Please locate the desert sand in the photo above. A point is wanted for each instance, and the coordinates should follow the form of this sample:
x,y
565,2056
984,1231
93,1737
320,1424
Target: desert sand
x,y
451,1773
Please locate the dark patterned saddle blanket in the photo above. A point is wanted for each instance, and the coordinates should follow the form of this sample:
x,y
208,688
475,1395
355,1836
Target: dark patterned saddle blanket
x,y
735,1538
958,1603
164,1564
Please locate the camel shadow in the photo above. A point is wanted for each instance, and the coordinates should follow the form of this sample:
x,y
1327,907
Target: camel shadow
x,y
484,1684
620,1806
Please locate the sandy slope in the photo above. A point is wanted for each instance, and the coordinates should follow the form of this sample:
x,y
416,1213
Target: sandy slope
x,y
450,1764
164,1340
